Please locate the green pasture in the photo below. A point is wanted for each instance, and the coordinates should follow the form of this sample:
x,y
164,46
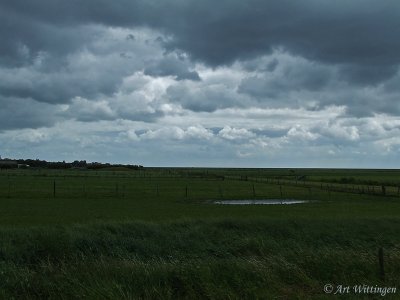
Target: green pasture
x,y
156,234
34,197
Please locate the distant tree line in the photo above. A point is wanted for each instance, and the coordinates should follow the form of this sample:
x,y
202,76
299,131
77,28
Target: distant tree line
x,y
79,164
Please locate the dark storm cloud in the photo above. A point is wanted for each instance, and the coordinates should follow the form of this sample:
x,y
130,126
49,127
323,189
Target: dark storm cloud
x,y
352,42
23,37
367,74
354,34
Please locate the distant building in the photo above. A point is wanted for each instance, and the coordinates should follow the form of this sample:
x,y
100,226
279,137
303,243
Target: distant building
x,y
23,166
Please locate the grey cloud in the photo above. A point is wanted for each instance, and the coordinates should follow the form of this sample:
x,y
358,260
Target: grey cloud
x,y
205,98
140,115
172,66
292,75
297,82
89,111
361,102
95,71
367,74
125,107
272,65
271,132
55,87
393,85
353,34
353,42
18,113
24,38
93,113
130,37
261,64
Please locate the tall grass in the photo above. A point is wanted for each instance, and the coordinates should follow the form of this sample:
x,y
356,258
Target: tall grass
x,y
196,259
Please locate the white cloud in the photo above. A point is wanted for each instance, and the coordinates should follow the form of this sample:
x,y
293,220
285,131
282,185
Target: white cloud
x,y
230,133
165,133
199,132
177,133
131,134
300,133
86,110
338,131
31,136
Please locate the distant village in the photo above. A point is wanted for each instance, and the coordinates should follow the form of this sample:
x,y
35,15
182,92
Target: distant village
x,y
7,163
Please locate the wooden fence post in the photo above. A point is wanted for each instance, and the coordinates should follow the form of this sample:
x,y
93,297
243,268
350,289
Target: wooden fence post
x,y
9,189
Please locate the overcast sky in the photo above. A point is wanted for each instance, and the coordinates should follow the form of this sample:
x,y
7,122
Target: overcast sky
x,y
256,83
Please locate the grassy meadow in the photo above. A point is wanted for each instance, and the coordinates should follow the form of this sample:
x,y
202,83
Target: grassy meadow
x,y
156,234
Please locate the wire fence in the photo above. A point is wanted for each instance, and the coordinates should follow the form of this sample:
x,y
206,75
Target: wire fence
x,y
77,184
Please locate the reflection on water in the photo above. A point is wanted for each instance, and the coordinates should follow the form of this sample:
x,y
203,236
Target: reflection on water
x,y
263,202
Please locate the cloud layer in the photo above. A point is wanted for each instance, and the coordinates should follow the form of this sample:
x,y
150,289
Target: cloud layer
x,y
254,83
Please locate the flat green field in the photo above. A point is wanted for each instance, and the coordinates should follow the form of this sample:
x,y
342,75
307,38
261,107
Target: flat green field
x,y
156,233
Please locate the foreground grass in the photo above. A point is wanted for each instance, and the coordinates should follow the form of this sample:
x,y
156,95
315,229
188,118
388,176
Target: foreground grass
x,y
223,259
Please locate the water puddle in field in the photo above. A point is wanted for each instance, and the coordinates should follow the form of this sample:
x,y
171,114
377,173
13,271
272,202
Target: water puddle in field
x,y
261,202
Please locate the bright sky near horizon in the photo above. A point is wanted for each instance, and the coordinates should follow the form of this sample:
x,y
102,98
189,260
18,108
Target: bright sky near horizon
x,y
278,83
